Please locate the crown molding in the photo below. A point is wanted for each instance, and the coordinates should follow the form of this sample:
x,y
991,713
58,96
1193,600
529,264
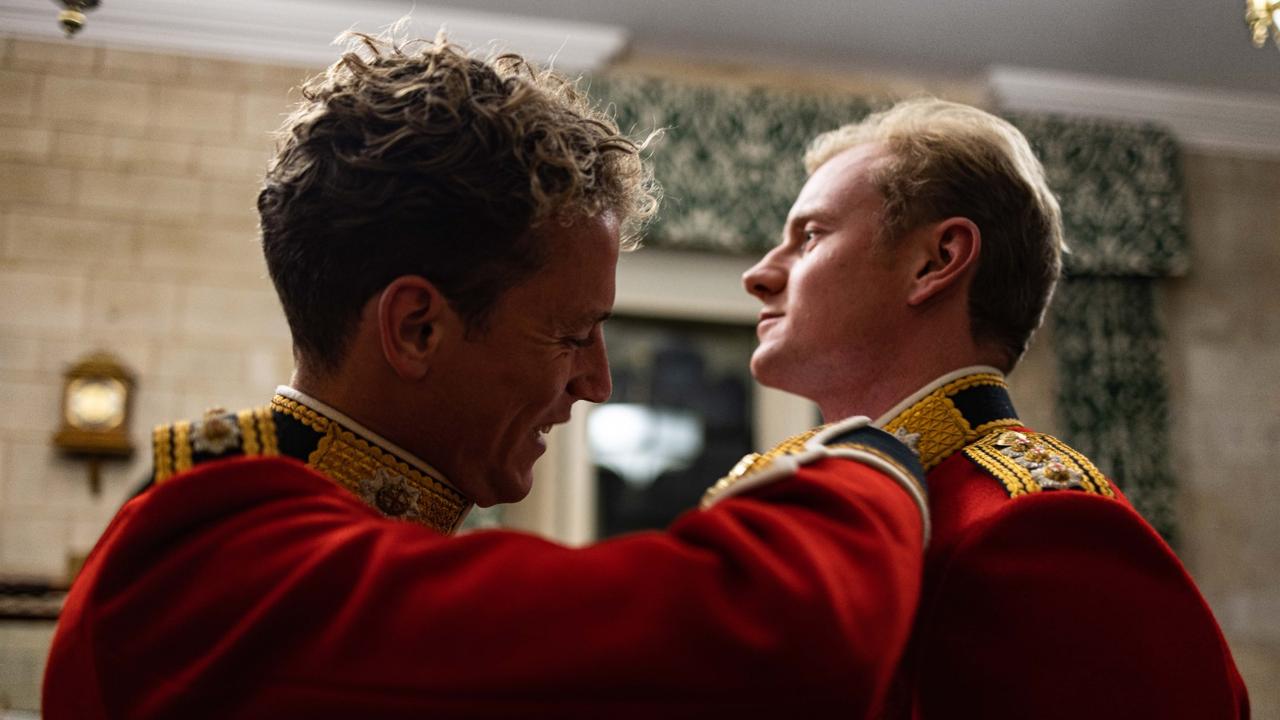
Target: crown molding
x,y
297,32
1212,120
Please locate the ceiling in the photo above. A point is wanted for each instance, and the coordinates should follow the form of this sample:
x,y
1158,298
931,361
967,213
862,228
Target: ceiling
x,y
1202,43
1199,44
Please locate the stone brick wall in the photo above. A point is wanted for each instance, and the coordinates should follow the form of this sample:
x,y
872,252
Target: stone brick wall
x,y
127,223
127,188
1223,323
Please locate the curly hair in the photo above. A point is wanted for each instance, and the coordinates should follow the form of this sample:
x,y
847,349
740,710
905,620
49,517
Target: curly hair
x,y
949,160
413,158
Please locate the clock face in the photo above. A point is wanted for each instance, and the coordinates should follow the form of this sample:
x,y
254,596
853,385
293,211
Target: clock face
x,y
95,403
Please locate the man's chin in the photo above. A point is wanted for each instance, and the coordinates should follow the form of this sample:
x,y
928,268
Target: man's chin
x,y
507,490
778,373
765,369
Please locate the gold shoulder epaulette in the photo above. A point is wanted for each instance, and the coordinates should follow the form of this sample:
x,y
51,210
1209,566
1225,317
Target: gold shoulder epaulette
x,y
179,447
754,464
1028,462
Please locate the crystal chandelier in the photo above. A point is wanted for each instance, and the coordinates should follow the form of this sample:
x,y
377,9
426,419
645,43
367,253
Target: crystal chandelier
x,y
1263,15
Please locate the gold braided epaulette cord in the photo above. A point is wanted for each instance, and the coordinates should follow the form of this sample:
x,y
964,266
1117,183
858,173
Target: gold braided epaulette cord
x,y
1028,462
753,463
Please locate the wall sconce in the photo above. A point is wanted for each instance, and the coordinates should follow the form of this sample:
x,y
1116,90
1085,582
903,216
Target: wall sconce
x,y
96,402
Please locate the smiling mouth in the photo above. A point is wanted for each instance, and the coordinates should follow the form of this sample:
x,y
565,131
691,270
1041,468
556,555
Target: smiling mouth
x,y
542,430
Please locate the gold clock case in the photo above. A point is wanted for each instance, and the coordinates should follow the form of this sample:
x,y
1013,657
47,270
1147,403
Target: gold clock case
x,y
107,436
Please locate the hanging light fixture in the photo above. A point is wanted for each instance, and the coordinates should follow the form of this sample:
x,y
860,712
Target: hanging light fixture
x,y
72,16
1263,16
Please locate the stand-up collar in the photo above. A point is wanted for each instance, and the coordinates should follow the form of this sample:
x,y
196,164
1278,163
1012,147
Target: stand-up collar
x,y
951,412
382,474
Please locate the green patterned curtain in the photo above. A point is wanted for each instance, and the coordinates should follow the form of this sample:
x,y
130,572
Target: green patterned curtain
x,y
1122,205
730,164
1112,397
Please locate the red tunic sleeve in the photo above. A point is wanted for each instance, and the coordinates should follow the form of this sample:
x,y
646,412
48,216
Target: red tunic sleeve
x,y
1067,605
257,588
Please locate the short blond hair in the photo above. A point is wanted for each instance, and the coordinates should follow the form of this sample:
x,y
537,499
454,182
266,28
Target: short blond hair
x,y
952,160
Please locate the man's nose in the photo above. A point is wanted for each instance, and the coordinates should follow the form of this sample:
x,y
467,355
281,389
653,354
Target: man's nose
x,y
765,278
592,381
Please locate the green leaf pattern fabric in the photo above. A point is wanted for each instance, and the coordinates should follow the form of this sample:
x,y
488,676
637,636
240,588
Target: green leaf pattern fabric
x,y
1112,399
730,160
1120,187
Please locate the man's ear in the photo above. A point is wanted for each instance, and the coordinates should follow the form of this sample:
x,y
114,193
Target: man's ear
x,y
410,310
949,252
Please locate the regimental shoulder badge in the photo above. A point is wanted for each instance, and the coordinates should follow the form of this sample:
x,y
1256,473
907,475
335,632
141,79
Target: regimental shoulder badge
x,y
218,434
1027,462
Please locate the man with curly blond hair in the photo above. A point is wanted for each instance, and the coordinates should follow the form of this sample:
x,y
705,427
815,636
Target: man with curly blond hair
x,y
443,233
915,265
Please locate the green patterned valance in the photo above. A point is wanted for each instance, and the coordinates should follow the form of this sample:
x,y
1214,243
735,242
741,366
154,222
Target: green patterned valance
x,y
1121,192
730,161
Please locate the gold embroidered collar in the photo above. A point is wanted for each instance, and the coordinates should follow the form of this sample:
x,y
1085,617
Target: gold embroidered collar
x,y
929,421
385,477
953,411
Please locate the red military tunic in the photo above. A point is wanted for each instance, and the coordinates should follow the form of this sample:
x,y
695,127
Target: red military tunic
x,y
1046,595
258,587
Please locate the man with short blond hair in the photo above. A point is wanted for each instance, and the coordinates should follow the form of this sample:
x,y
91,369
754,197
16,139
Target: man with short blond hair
x,y
914,267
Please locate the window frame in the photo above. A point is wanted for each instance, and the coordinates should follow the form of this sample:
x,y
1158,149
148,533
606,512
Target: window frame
x,y
653,284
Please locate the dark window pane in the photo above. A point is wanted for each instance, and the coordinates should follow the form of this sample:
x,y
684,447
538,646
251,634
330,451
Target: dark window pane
x,y
679,418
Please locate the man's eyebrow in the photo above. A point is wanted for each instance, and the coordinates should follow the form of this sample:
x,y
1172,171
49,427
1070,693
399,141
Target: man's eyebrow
x,y
589,319
819,212
810,213
797,221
